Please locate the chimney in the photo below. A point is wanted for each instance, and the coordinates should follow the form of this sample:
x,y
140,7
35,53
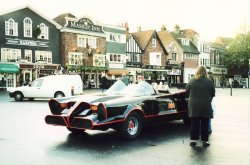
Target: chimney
x,y
177,28
127,28
163,28
138,28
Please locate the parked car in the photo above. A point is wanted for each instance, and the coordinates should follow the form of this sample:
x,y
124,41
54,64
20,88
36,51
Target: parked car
x,y
123,108
52,86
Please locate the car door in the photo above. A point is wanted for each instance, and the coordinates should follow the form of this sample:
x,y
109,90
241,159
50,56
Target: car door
x,y
34,89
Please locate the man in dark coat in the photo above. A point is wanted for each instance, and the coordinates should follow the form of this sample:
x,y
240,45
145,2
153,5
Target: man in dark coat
x,y
200,91
104,82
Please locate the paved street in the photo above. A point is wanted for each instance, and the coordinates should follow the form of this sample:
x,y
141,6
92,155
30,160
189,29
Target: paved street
x,y
25,139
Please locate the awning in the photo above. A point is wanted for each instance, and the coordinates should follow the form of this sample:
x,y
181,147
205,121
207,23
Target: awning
x,y
9,68
118,72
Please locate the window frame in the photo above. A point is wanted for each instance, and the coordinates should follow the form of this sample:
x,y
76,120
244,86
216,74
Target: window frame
x,y
9,54
154,43
44,56
154,60
27,27
75,58
86,42
28,55
11,25
44,32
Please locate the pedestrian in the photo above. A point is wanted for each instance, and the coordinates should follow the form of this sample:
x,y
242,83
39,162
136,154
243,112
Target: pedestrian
x,y
104,82
210,120
200,91
213,106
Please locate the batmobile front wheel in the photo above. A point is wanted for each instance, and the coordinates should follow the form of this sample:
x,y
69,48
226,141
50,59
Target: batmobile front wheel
x,y
131,128
76,131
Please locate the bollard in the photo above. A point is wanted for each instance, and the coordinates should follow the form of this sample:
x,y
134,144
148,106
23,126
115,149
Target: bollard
x,y
72,91
231,91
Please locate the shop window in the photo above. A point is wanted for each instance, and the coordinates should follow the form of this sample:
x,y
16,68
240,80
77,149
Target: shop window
x,y
43,57
99,60
28,55
75,58
10,55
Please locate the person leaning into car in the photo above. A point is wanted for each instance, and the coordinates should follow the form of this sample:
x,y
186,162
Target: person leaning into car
x,y
200,92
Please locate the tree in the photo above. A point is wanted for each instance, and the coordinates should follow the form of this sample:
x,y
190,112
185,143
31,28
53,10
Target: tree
x,y
238,52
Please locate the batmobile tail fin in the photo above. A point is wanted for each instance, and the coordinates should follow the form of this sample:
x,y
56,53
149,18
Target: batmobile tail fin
x,y
55,107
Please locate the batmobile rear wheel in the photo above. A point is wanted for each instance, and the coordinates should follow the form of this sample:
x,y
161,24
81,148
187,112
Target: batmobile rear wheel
x,y
76,131
131,128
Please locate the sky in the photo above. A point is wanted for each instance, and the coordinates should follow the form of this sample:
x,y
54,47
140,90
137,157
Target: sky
x,y
210,18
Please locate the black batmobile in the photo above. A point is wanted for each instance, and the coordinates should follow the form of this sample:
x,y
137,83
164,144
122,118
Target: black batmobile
x,y
123,108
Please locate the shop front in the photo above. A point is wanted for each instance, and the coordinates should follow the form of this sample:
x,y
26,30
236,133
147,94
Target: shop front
x,y
90,75
134,71
8,75
239,75
218,75
169,74
30,72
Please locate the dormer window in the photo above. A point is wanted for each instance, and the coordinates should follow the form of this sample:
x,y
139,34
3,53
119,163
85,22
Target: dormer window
x,y
27,27
44,31
11,28
185,41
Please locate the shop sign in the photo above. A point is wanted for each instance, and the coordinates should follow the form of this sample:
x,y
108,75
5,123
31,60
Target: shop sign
x,y
175,72
219,70
154,67
115,65
134,65
13,41
38,66
84,24
26,66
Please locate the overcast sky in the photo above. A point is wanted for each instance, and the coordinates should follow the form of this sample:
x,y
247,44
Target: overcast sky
x,y
210,18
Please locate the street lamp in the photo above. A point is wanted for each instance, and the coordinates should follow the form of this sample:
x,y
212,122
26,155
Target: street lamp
x,y
231,86
84,58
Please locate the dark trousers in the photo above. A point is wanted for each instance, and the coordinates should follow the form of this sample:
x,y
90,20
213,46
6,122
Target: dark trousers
x,y
199,127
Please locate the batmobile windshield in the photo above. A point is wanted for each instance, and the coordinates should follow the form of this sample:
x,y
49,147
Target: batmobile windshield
x,y
141,89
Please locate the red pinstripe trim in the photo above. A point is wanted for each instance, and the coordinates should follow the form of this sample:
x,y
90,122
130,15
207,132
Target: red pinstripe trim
x,y
121,120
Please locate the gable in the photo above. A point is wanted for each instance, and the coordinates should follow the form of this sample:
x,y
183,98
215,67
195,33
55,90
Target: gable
x,y
20,14
191,48
143,38
133,46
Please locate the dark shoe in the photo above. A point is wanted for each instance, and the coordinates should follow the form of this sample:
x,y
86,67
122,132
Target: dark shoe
x,y
206,144
192,144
